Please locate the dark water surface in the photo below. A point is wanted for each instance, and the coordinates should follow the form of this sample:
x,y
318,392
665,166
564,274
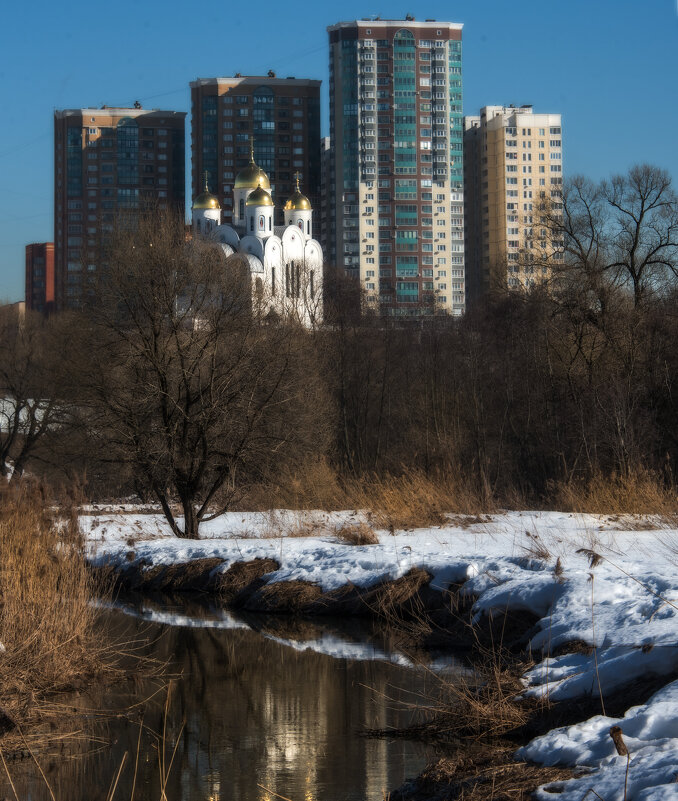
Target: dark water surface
x,y
260,708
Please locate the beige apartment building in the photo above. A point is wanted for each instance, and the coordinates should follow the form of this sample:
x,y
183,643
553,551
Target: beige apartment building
x,y
513,176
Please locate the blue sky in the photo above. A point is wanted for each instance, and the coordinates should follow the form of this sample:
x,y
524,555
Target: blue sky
x,y
610,68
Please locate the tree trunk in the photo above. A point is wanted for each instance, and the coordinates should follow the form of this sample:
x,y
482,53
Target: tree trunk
x,y
191,522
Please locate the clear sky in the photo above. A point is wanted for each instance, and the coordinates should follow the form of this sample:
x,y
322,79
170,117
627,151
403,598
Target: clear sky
x,y
610,67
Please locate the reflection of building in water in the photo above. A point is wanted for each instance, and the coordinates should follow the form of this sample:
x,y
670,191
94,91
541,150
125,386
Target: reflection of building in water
x,y
256,713
287,720
213,789
285,262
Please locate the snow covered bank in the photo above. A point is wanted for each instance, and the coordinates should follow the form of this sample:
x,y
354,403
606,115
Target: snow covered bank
x,y
625,606
650,733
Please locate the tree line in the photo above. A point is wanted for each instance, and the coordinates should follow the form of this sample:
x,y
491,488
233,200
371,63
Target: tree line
x,y
170,388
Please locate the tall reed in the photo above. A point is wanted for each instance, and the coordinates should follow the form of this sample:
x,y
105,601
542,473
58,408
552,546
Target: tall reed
x,y
47,620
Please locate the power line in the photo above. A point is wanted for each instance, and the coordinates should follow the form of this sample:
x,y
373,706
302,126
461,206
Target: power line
x,y
23,146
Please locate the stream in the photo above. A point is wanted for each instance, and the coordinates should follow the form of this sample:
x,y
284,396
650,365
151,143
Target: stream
x,y
259,705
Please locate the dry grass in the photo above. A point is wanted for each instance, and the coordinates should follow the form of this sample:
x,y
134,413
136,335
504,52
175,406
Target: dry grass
x,y
357,534
47,621
414,499
640,493
408,500
486,708
480,719
536,548
315,485
484,703
485,773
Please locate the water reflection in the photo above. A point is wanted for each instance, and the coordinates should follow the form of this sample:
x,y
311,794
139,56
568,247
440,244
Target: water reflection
x,y
256,712
344,638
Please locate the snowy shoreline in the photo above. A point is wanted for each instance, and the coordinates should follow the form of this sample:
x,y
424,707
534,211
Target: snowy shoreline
x,y
625,605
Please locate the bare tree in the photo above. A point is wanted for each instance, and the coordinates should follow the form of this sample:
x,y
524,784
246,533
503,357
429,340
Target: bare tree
x,y
644,228
183,383
617,234
28,402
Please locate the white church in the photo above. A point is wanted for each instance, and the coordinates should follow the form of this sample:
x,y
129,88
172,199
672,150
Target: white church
x,y
285,262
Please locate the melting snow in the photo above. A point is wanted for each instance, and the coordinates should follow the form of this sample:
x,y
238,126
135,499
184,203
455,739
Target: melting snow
x,y
625,606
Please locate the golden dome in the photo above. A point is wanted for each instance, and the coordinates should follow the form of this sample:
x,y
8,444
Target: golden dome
x,y
251,176
298,202
260,197
206,200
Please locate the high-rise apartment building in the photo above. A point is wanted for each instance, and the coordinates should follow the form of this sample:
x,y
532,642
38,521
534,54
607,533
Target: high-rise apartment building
x,y
40,284
280,117
107,160
513,163
396,192
326,222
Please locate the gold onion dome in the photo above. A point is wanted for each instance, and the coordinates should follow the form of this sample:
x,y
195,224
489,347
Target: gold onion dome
x,y
297,201
206,200
259,197
251,176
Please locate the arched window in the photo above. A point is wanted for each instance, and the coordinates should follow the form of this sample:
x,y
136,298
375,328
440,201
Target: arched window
x,y
270,222
252,223
403,38
300,224
242,209
262,222
308,227
197,225
312,288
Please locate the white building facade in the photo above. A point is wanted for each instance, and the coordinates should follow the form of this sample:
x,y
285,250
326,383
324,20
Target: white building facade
x,y
285,262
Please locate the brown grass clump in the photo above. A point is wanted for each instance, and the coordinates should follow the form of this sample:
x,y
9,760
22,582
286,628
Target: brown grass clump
x,y
357,534
485,708
415,499
242,575
287,597
536,548
640,493
314,485
484,773
47,621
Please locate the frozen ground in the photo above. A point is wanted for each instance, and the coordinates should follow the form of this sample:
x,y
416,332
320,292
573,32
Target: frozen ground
x,y
626,606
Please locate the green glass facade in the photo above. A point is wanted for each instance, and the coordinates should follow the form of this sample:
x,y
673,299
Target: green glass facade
x,y
396,123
